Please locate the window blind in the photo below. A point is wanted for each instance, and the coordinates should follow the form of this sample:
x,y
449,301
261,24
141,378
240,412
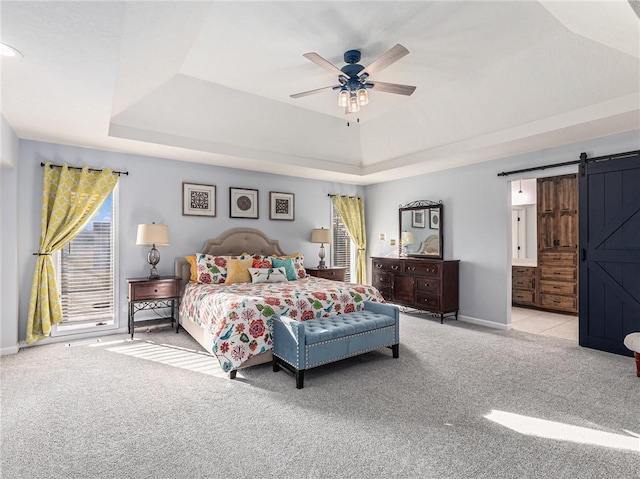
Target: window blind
x,y
341,244
86,272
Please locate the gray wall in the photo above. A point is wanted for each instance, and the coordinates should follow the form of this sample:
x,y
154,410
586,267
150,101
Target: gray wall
x,y
477,218
477,209
8,240
153,192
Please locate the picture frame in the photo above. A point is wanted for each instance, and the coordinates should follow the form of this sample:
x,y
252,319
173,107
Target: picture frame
x,y
243,203
418,218
434,219
281,206
198,200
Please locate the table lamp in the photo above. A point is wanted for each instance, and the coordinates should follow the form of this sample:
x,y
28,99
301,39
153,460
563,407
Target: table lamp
x,y
153,235
322,236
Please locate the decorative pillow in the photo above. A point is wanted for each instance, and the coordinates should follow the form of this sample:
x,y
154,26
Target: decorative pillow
x,y
193,263
238,271
211,269
263,262
288,266
267,275
298,263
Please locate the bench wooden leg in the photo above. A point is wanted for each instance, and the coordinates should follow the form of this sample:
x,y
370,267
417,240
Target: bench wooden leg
x,y
637,355
276,366
232,373
395,349
300,379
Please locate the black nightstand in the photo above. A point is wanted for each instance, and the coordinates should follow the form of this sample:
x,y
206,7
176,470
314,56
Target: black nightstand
x,y
336,273
151,294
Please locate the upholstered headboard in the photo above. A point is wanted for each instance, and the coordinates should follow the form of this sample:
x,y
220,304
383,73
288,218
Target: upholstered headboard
x,y
232,242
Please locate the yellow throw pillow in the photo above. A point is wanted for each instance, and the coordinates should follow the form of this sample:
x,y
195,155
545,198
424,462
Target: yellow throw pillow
x,y
193,262
238,271
286,256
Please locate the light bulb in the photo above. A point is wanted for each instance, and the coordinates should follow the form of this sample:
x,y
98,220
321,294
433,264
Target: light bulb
x,y
343,98
354,106
363,96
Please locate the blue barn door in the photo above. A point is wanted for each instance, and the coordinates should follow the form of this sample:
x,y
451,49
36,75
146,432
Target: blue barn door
x,y
609,195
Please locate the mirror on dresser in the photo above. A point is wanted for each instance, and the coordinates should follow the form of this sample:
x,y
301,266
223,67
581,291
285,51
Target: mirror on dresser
x,y
420,229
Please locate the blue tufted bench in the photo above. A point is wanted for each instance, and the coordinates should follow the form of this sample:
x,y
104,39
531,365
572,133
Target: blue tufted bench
x,y
301,345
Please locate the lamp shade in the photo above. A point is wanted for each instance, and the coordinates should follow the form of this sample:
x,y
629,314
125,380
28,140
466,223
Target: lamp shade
x,y
153,234
408,237
321,235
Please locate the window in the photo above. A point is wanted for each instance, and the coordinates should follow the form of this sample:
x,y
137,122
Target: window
x,y
86,275
341,247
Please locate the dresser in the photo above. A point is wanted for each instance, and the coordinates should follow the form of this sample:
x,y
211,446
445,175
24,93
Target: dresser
x,y
335,273
558,243
421,283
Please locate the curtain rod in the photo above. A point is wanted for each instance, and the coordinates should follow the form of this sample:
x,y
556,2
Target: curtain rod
x,y
90,169
330,195
583,157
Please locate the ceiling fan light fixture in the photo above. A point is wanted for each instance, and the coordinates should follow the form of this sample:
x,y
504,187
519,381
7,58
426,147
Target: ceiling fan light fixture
x,y
343,98
354,106
363,96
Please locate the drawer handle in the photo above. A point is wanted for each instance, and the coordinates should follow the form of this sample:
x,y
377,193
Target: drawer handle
x,y
379,266
332,273
426,285
556,287
155,290
411,268
557,272
394,267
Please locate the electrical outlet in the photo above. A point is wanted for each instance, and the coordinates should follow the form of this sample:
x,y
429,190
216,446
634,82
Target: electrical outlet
x,y
383,237
392,242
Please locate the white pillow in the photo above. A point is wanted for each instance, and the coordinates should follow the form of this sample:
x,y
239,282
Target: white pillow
x,y
268,275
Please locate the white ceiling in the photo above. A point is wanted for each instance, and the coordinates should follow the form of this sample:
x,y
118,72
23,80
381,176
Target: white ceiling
x,y
210,81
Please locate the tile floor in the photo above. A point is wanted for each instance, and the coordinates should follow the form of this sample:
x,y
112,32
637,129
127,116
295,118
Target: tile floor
x,y
542,322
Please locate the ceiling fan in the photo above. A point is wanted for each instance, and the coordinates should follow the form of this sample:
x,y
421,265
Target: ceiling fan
x,y
354,79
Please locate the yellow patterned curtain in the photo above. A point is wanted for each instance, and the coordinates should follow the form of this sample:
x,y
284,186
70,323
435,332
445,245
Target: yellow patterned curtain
x,y
70,198
351,211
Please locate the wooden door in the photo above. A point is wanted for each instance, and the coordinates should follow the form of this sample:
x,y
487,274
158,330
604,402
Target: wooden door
x,y
610,253
403,290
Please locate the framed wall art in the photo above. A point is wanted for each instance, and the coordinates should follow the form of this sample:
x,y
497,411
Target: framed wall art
x,y
243,203
281,206
198,200
418,218
434,219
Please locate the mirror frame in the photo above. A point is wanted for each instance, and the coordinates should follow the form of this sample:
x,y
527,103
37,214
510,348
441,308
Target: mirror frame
x,y
421,205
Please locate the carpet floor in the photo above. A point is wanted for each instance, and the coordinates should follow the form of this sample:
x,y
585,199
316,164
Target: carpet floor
x,y
462,401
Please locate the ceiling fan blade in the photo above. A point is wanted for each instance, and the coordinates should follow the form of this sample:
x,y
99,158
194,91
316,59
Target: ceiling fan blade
x,y
392,88
313,92
318,60
394,54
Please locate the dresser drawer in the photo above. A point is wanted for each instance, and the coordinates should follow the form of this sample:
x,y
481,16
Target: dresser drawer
x,y
523,283
564,303
422,268
522,297
381,279
428,285
154,290
558,259
389,266
558,274
426,300
523,271
557,287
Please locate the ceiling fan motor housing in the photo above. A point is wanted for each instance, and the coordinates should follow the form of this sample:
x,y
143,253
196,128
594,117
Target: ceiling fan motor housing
x,y
352,56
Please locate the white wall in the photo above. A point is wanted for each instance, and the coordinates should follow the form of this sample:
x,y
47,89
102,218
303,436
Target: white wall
x,y
153,192
8,240
477,218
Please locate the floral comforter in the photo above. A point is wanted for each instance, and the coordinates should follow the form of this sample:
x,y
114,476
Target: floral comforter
x,y
240,315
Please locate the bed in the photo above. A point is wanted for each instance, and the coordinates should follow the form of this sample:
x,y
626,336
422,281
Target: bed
x,y
234,321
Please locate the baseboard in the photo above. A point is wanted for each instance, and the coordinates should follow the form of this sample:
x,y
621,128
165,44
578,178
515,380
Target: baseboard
x,y
9,350
483,322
